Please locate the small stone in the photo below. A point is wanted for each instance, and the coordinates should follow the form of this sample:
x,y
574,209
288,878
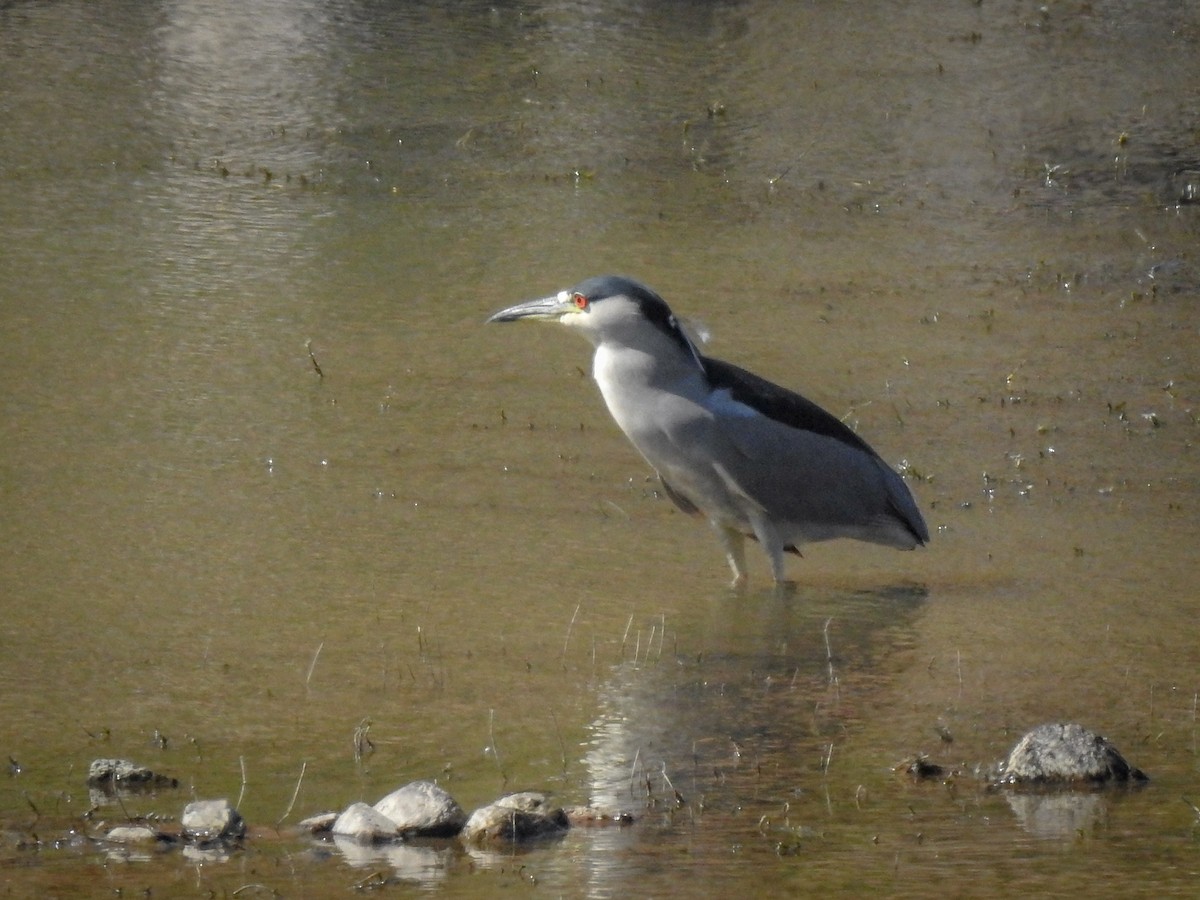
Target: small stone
x,y
517,817
134,834
922,767
590,816
211,820
366,825
123,773
1066,754
423,808
318,824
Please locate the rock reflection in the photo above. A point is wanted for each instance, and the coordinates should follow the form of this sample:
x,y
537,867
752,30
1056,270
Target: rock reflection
x,y
426,866
502,857
203,853
1059,815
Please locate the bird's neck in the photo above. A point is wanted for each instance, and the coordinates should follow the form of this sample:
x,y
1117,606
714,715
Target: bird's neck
x,y
631,376
652,362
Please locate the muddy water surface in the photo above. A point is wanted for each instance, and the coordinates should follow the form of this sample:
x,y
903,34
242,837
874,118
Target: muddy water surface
x,y
968,228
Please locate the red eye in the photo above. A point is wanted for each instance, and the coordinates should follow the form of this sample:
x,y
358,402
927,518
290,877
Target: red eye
x,y
580,301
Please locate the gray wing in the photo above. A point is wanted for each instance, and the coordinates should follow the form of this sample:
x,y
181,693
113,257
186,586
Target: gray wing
x,y
807,468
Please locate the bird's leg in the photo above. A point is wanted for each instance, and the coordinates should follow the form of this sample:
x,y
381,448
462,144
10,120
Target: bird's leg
x,y
777,571
772,543
734,545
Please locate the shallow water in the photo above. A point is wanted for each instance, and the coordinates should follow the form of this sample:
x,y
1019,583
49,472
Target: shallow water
x,y
963,227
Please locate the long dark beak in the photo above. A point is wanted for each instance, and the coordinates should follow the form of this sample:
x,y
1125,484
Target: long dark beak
x,y
546,308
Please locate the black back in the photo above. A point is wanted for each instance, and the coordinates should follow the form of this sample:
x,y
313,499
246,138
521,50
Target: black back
x,y
779,403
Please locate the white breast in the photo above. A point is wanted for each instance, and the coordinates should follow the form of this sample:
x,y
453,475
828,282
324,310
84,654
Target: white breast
x,y
647,397
664,411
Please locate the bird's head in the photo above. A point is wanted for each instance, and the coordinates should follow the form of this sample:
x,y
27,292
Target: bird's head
x,y
607,308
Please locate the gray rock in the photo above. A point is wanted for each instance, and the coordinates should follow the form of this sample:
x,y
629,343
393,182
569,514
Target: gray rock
x,y
423,808
1063,755
517,817
122,773
211,820
366,825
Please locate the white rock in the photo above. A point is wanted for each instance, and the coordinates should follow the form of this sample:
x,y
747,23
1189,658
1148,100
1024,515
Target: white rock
x,y
423,808
132,834
211,820
365,824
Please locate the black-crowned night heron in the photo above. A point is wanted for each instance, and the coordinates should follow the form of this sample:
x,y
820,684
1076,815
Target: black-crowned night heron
x,y
754,458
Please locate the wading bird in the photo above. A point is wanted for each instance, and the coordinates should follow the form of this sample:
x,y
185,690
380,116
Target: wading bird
x,y
755,459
